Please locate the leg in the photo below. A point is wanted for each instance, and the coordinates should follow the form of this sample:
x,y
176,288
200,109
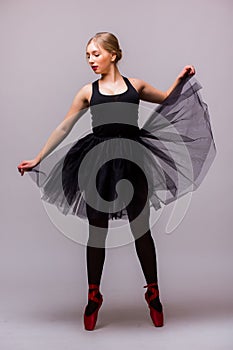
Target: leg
x,y
95,252
146,253
144,243
138,212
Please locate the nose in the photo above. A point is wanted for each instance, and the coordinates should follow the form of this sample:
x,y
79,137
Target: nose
x,y
90,60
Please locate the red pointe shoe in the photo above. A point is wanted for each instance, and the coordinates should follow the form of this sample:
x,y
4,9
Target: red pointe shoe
x,y
90,320
151,294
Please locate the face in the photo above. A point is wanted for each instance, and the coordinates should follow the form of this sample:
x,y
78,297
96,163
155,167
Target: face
x,y
98,58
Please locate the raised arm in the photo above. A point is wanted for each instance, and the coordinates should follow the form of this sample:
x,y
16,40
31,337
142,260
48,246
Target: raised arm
x,y
151,94
77,109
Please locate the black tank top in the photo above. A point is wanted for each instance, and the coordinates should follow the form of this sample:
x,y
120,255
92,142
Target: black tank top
x,y
130,95
115,115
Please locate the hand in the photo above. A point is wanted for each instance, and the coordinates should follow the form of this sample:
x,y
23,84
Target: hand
x,y
187,71
27,165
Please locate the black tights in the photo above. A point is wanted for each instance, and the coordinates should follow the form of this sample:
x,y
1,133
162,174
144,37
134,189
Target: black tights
x,y
144,244
146,253
140,229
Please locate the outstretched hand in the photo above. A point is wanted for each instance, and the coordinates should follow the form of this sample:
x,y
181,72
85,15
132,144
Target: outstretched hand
x,y
187,71
27,165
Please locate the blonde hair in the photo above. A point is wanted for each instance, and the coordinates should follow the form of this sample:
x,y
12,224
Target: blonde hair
x,y
109,42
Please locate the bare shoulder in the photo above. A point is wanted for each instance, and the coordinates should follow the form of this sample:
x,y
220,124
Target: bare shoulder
x,y
138,84
148,92
86,91
83,95
86,88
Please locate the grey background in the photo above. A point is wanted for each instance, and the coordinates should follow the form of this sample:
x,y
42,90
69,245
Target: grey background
x,y
43,274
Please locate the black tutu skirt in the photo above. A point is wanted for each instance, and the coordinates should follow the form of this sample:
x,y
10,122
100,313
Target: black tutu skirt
x,y
172,153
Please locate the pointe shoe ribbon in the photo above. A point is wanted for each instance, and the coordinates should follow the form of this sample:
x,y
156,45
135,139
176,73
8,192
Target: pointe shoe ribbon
x,y
90,320
156,316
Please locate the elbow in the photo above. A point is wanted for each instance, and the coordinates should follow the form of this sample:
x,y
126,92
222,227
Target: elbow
x,y
165,96
63,130
65,127
66,130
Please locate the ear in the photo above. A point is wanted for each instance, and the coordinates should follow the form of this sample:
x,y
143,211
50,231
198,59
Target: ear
x,y
113,56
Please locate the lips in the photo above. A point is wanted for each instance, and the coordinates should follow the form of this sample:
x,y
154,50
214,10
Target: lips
x,y
94,67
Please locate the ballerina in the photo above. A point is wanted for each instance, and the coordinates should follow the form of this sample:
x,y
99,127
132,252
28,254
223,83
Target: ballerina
x,y
112,89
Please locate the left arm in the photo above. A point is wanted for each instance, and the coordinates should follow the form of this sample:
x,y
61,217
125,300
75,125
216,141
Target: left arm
x,y
150,94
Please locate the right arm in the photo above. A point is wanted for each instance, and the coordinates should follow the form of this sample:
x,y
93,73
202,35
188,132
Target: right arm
x,y
77,109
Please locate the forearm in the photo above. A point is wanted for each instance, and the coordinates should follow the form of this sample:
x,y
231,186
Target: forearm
x,y
151,94
57,136
173,86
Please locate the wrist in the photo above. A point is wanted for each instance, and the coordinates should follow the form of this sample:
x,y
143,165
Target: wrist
x,y
38,159
179,79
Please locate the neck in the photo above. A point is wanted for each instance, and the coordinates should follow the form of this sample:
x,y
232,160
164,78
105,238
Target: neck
x,y
112,75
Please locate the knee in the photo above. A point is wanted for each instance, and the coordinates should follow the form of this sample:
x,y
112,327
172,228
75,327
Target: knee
x,y
140,225
96,218
146,238
97,236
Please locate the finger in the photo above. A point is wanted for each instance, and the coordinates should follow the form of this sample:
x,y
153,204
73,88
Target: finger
x,y
192,69
22,171
186,72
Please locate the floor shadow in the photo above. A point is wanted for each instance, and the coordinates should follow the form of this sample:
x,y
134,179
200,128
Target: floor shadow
x,y
135,315
197,310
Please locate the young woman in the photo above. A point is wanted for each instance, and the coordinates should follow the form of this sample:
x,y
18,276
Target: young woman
x,y
114,100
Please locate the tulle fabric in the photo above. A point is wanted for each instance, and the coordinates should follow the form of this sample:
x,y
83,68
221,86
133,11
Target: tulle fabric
x,y
173,151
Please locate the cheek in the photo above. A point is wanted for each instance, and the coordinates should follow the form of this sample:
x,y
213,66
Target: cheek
x,y
106,60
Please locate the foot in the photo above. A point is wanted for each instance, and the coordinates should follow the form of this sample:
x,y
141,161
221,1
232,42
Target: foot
x,y
154,304
95,300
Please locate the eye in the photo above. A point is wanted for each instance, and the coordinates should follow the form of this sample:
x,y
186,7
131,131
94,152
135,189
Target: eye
x,y
97,54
